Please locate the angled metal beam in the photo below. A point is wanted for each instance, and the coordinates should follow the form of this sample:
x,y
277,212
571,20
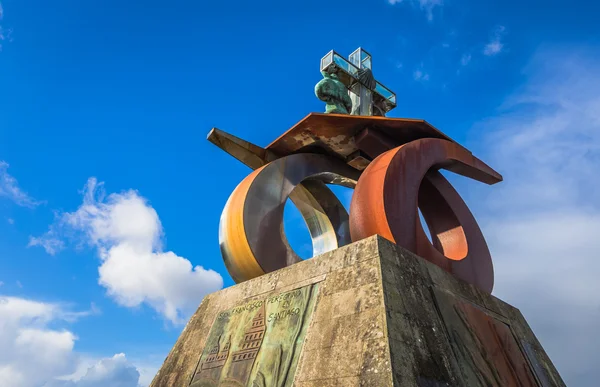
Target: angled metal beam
x,y
246,152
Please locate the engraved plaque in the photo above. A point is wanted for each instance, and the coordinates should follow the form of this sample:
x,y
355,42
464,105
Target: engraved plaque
x,y
257,343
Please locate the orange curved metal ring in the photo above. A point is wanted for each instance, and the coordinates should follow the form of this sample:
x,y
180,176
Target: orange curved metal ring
x,y
231,229
398,182
251,232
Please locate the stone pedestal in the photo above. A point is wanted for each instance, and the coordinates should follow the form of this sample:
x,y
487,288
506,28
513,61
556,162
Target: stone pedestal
x,y
367,314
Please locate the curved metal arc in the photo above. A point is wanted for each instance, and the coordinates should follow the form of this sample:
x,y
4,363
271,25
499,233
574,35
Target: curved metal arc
x,y
323,214
387,196
252,237
456,233
235,249
446,230
408,167
314,199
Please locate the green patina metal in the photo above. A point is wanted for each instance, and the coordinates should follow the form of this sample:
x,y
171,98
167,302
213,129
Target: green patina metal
x,y
334,93
257,344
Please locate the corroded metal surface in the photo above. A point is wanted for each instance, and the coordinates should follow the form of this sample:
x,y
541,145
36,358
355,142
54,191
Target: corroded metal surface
x,y
257,343
334,133
484,345
253,242
251,229
337,135
358,160
403,179
373,142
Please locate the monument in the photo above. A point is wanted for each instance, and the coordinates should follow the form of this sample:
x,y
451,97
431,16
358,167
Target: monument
x,y
379,304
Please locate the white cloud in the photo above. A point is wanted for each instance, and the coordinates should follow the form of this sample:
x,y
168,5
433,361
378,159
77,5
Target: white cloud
x,y
35,353
495,45
542,222
28,344
147,370
114,372
147,367
10,220
9,187
127,234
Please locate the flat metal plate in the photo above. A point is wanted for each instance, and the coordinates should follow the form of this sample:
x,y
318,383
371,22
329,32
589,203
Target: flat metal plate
x,y
334,133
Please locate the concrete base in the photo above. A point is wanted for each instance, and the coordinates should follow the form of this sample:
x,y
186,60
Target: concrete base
x,y
367,314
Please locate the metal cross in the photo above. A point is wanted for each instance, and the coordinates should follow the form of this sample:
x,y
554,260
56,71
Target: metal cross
x,y
369,97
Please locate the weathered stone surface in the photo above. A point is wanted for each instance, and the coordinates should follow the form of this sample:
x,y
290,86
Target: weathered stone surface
x,y
383,317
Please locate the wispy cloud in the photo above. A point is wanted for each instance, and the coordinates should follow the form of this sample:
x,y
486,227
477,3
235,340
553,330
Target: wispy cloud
x,y
420,75
465,59
495,44
2,37
49,242
427,6
9,188
542,222
5,35
68,315
127,235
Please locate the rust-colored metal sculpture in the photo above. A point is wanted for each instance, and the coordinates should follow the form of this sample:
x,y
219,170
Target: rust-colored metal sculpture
x,y
431,329
393,162
399,181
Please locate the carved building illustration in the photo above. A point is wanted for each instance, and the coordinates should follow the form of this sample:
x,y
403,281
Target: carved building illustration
x,y
217,357
210,369
243,359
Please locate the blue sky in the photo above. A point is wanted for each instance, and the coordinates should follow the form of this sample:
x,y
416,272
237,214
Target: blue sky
x,y
110,196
